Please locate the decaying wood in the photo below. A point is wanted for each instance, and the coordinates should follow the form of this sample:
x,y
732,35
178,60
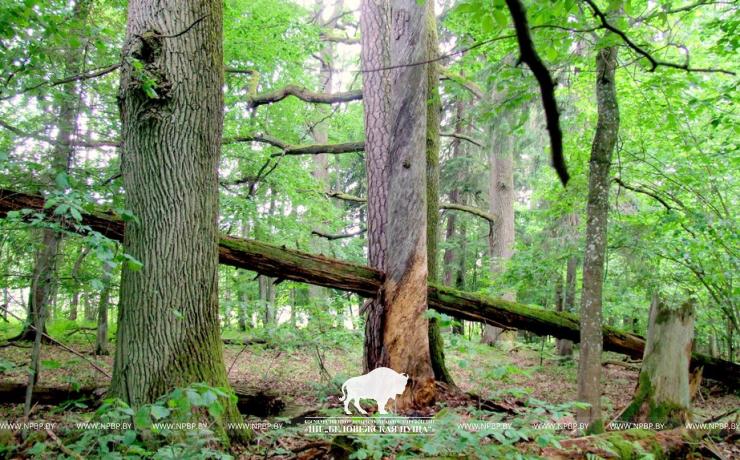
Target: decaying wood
x,y
290,264
251,401
663,393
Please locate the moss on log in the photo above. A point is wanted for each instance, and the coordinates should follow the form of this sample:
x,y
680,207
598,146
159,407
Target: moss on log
x,y
282,262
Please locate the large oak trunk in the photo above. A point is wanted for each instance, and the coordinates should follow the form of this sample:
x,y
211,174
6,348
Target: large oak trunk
x,y
405,329
168,333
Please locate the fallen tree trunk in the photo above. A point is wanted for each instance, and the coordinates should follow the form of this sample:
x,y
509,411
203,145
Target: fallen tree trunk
x,y
250,401
283,263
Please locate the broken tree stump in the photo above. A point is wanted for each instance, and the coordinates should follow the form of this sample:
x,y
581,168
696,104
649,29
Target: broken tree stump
x,y
663,392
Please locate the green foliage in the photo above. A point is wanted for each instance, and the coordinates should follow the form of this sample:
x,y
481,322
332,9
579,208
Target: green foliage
x,y
182,425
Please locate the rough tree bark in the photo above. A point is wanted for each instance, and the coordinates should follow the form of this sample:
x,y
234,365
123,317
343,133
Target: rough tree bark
x,y
605,138
375,25
405,329
434,116
663,394
502,197
168,334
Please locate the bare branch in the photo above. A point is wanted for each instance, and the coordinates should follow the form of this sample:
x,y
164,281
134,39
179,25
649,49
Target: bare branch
x,y
530,57
287,149
474,89
338,236
449,206
327,37
462,137
304,95
39,137
469,209
639,50
79,77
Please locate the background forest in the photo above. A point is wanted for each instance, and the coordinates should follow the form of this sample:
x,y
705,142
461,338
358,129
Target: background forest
x,y
293,173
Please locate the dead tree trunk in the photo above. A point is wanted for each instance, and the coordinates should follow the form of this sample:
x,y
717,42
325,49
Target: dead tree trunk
x,y
663,393
605,138
405,328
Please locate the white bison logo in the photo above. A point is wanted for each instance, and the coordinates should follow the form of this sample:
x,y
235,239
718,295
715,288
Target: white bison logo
x,y
380,384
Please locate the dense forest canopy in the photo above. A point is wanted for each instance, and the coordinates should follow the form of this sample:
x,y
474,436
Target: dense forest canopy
x,y
572,156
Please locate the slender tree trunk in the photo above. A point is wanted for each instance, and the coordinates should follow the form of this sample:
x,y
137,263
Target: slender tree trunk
x,y
502,197
406,330
74,303
434,115
450,251
565,347
375,23
168,334
320,134
605,138
101,343
242,299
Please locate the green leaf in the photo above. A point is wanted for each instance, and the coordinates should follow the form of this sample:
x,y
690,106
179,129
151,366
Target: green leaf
x,y
487,24
552,53
129,437
62,180
97,284
177,314
500,18
51,364
159,412
430,448
215,409
61,209
76,214
142,417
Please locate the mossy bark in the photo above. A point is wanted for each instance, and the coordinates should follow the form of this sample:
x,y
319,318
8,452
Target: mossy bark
x,y
663,393
434,112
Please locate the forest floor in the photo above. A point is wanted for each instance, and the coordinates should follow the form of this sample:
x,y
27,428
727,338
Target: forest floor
x,y
308,375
